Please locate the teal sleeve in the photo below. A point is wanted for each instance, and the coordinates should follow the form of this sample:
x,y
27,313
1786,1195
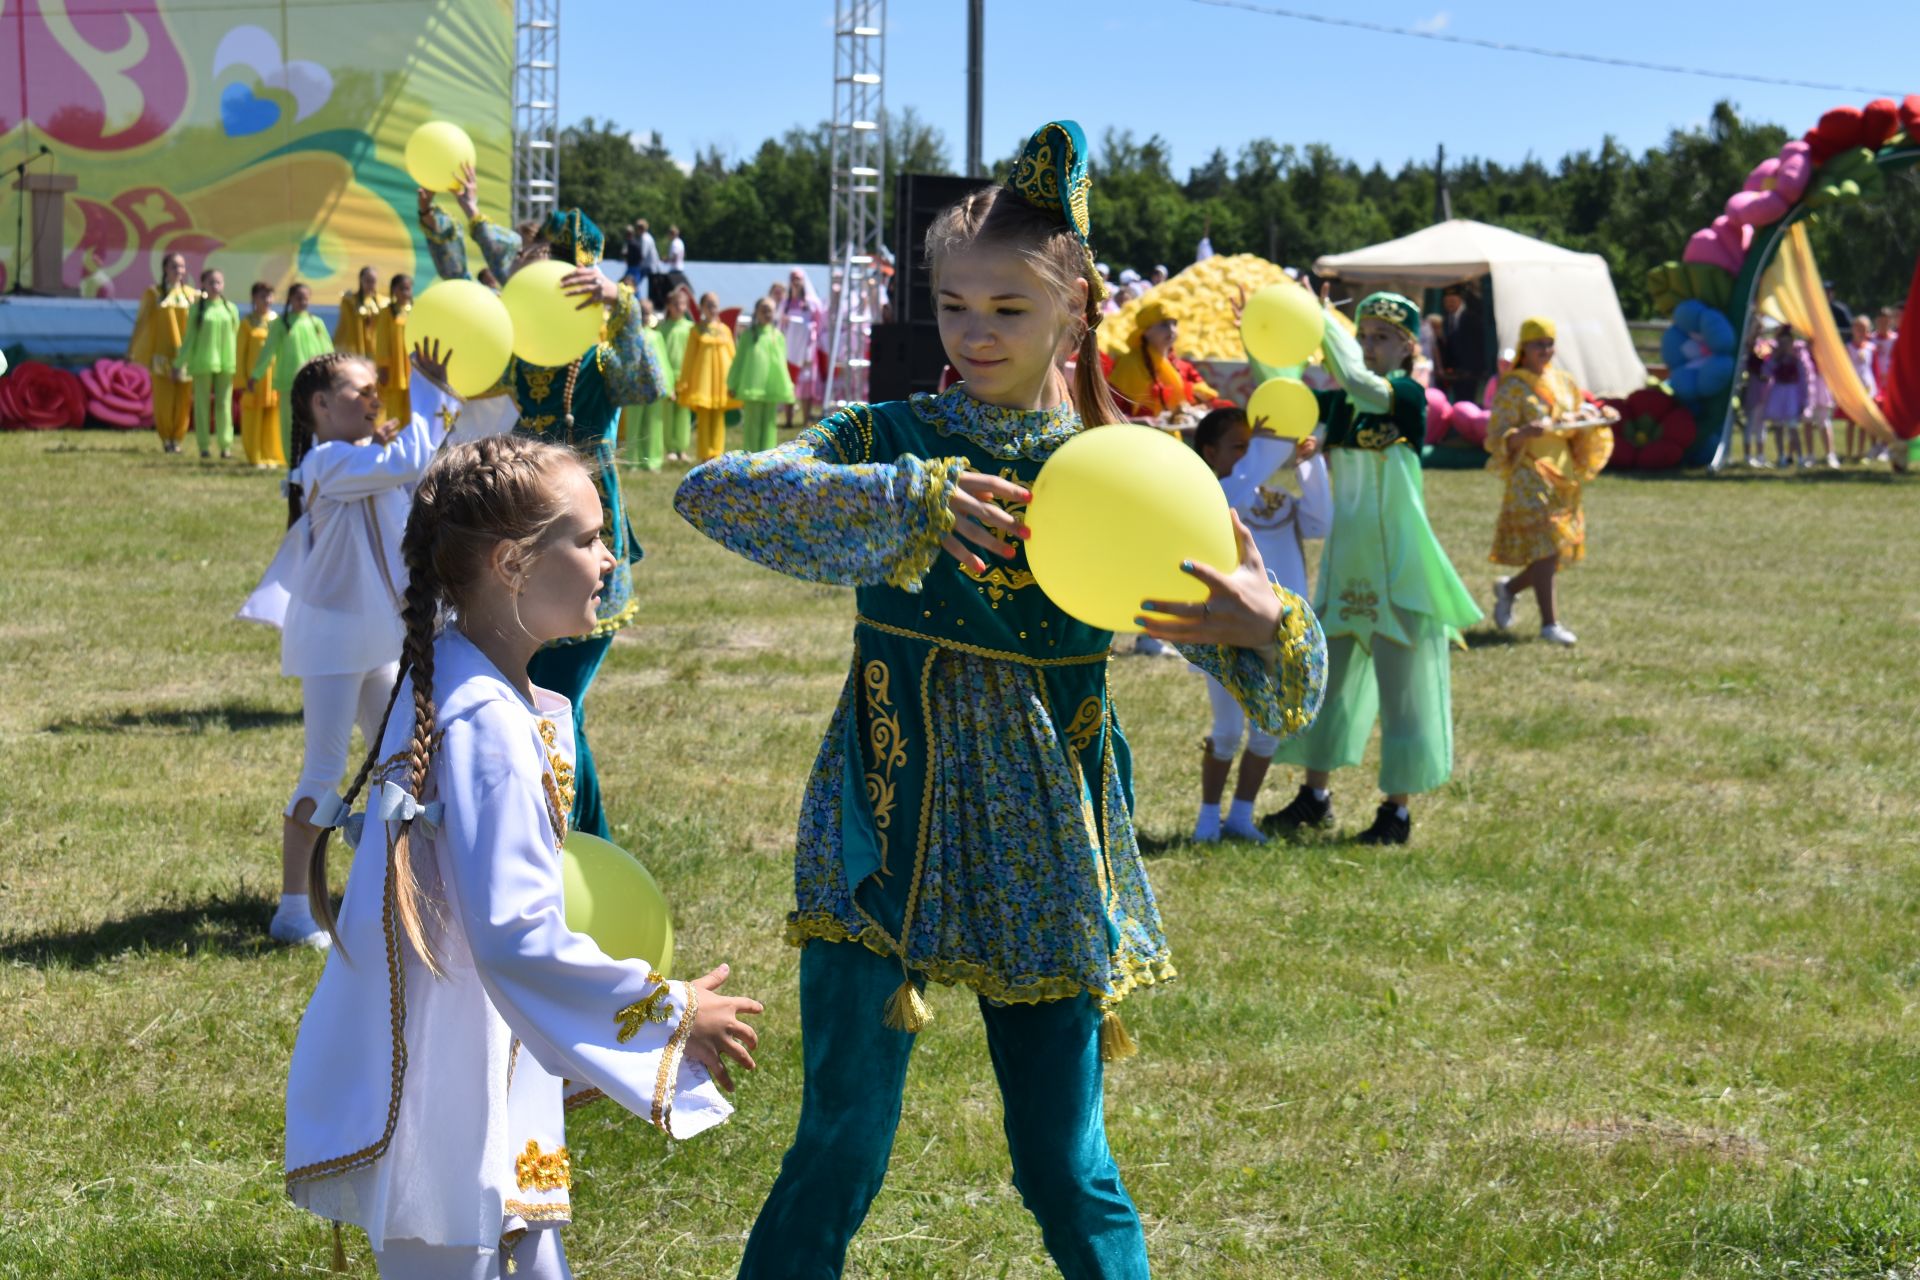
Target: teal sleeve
x,y
444,244
1280,689
498,246
629,362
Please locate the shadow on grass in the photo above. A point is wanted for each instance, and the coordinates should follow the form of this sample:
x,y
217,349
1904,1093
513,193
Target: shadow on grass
x,y
1490,639
214,926
1741,474
232,717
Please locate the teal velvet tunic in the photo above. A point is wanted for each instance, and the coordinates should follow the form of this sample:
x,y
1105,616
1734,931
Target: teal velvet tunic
x,y
971,807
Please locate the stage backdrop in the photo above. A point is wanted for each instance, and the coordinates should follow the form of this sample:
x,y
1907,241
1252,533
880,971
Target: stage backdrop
x,y
264,138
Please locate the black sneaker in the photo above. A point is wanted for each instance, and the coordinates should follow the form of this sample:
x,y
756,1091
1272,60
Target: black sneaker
x,y
1304,811
1388,827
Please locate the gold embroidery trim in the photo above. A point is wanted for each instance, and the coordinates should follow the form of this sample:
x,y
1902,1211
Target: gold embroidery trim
x,y
1085,724
540,382
898,946
537,1170
652,1007
1000,655
397,1022
582,1098
887,746
670,1064
562,1212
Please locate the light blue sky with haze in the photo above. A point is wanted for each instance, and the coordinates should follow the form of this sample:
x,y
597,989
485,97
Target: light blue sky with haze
x,y
733,74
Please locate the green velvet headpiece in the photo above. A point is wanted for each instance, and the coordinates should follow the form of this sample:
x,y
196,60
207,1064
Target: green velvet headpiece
x,y
574,237
1395,309
1051,174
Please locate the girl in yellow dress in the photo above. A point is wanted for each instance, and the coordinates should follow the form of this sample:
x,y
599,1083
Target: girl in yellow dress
x,y
157,332
359,322
390,355
259,408
1545,461
703,380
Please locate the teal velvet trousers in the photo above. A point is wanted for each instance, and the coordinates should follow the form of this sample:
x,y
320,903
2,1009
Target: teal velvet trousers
x,y
1047,1060
568,670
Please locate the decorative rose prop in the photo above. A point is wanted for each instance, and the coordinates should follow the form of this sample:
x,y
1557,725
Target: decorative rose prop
x,y
1772,187
39,397
1654,431
119,394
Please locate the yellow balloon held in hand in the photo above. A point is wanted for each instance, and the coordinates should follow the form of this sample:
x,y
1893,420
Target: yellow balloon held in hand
x,y
1288,405
1114,513
549,328
473,329
438,154
615,901
1282,325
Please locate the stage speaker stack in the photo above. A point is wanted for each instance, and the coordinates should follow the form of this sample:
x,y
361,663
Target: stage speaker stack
x,y
906,353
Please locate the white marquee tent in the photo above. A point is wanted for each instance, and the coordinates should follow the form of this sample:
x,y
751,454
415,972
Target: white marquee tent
x,y
1530,278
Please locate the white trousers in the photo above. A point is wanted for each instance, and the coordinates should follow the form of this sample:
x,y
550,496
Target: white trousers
x,y
539,1255
1230,724
329,707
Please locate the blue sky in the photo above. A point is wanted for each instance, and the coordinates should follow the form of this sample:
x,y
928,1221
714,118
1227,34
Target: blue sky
x,y
733,73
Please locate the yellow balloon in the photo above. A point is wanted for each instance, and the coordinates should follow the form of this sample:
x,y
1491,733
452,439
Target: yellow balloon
x,y
1114,512
615,901
473,329
438,154
1282,325
1288,405
549,328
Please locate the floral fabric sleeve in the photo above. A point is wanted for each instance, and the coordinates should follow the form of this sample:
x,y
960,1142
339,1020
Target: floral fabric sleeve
x,y
498,246
815,508
1280,688
444,243
629,362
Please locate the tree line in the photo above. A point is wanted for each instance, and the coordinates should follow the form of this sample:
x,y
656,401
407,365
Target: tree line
x,y
1285,202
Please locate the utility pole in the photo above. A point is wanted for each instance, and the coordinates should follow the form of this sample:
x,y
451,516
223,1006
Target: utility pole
x,y
976,77
1442,198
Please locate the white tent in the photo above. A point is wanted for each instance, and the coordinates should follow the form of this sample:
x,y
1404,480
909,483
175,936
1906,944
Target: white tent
x,y
1530,278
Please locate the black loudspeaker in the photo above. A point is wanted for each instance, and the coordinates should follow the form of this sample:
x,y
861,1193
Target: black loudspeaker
x,y
919,198
906,358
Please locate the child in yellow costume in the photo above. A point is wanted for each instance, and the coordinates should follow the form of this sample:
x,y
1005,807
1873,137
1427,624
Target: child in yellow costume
x,y
157,332
703,380
208,354
359,323
1546,462
259,408
390,354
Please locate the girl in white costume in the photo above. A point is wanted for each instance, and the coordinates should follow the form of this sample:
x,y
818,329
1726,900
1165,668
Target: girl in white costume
x,y
334,588
458,1017
1248,458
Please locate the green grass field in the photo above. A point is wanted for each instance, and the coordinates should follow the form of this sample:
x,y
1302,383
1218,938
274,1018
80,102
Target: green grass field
x,y
1642,999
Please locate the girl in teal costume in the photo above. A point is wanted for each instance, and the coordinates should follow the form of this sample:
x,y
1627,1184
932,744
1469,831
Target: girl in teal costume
x,y
577,405
1387,595
969,816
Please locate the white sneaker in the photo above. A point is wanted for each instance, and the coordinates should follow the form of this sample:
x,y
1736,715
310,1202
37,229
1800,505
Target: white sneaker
x,y
1502,604
298,929
1833,462
1554,633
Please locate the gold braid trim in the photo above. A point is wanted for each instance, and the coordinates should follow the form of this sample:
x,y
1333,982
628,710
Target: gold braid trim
x,y
397,1020
561,1212
582,1098
1132,974
670,1063
923,548
605,627
999,655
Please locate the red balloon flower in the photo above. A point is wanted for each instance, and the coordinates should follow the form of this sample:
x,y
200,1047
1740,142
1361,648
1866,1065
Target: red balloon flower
x,y
119,394
39,397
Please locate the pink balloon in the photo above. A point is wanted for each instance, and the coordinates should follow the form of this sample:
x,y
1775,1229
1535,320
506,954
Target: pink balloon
x,y
1469,422
1773,187
1439,409
1724,244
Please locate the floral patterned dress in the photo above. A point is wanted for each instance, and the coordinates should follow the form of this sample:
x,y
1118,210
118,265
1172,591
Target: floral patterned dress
x,y
1540,512
970,810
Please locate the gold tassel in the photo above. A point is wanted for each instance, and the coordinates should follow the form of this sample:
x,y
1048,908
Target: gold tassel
x,y
339,1251
907,1010
1115,1043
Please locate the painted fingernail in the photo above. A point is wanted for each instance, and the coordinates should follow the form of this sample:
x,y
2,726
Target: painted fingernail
x,y
1025,532
1149,606
1139,622
1186,566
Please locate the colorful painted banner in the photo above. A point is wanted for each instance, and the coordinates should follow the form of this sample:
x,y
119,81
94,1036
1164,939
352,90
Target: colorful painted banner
x,y
265,138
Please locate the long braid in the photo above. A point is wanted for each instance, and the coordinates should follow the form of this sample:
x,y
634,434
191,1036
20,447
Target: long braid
x,y
419,614
322,373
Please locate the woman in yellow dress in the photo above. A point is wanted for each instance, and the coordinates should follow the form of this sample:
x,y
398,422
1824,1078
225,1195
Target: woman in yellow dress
x,y
390,355
259,408
1546,461
157,332
358,327
703,380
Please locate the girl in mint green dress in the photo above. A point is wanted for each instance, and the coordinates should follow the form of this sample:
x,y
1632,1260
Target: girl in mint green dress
x,y
209,353
759,379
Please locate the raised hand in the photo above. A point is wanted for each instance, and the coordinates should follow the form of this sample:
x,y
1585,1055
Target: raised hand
x,y
718,1032
976,519
468,195
592,288
1240,609
430,360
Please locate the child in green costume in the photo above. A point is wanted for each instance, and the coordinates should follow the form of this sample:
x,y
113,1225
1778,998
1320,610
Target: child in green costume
x,y
208,354
759,379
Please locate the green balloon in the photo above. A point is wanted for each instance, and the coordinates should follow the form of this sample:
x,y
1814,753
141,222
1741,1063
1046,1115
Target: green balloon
x,y
615,901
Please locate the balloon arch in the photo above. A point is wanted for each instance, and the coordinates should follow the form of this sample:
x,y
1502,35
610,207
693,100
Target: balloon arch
x,y
1757,251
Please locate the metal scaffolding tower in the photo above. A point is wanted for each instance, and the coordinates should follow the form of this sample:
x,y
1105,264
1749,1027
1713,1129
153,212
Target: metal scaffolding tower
x,y
858,204
536,108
